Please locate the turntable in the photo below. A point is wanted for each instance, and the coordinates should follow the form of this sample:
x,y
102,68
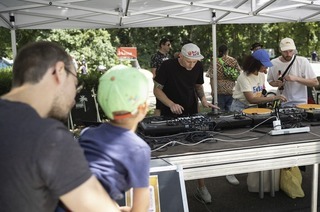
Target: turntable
x,y
257,112
312,111
258,115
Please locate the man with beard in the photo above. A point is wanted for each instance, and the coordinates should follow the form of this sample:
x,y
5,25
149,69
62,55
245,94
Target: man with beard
x,y
40,162
178,87
292,83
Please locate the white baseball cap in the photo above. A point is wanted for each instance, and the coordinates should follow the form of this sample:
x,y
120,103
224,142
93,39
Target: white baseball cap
x,y
191,51
287,44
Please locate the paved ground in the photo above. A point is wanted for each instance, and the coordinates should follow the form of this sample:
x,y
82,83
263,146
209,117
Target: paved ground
x,y
230,198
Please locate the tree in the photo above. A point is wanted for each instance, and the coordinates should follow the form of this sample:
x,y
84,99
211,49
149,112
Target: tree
x,y
99,46
5,47
95,45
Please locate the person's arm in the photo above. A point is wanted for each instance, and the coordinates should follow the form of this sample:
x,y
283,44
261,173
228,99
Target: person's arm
x,y
210,71
210,75
273,80
238,67
141,200
307,82
153,71
161,96
276,83
202,97
262,99
89,196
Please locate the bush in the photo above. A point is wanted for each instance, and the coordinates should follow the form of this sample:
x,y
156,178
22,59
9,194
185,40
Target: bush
x,y
88,81
5,80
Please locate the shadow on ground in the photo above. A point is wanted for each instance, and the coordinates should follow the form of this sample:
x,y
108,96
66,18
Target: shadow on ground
x,y
230,198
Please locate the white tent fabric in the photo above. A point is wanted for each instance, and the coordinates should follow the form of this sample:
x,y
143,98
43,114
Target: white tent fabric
x,y
61,14
85,14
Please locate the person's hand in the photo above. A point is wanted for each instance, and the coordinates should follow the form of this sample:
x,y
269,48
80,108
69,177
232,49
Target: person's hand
x,y
208,104
281,98
291,78
176,108
125,209
278,83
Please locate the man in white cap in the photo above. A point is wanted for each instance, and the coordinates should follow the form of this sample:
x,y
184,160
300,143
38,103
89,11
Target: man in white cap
x,y
178,81
292,83
178,85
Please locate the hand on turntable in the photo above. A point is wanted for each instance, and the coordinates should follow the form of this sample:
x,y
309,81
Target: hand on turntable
x,y
208,104
281,98
176,108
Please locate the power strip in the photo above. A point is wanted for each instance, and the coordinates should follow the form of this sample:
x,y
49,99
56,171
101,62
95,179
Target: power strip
x,y
290,131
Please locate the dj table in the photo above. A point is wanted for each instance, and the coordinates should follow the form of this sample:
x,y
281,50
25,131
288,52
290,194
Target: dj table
x,y
241,150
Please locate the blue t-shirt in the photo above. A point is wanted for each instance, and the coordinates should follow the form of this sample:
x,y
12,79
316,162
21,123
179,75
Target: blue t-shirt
x,y
118,157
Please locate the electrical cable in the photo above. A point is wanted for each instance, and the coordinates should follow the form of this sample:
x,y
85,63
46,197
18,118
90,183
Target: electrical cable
x,y
251,129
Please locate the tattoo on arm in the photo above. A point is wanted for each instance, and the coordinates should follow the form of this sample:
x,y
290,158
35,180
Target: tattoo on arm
x,y
157,85
200,92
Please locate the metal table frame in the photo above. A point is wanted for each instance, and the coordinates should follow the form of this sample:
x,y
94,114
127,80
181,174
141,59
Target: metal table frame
x,y
221,162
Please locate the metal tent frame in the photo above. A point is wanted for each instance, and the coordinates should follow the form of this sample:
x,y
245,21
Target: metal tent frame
x,y
89,14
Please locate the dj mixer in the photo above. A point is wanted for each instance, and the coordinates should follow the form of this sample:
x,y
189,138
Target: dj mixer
x,y
159,125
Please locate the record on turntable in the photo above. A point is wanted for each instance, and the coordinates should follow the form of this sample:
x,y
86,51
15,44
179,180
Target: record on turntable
x,y
310,108
257,111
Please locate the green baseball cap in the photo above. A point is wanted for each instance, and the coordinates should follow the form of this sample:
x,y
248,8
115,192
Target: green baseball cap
x,y
122,89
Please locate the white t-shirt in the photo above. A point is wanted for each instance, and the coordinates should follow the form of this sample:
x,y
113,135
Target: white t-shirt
x,y
295,92
252,83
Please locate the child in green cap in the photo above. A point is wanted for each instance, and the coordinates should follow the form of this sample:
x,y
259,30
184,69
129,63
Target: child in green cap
x,y
117,156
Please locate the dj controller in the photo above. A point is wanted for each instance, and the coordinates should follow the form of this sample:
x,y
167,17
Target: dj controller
x,y
159,125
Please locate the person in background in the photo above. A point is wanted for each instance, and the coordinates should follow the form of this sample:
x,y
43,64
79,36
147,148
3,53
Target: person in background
x,y
161,55
255,47
156,60
226,85
178,86
251,83
293,85
248,91
314,56
117,156
40,161
83,67
75,63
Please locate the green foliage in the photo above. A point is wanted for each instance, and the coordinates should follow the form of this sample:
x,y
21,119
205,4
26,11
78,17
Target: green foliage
x,y
99,46
5,47
90,80
5,80
95,45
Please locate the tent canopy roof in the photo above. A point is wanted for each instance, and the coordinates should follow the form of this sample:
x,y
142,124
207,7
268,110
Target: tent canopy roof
x,y
64,14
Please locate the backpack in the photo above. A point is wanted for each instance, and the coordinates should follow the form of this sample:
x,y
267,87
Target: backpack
x,y
228,71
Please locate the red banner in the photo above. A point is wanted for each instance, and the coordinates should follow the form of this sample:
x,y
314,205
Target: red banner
x,y
127,52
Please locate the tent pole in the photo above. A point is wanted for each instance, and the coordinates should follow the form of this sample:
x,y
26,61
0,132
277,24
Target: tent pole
x,y
13,35
214,59
13,43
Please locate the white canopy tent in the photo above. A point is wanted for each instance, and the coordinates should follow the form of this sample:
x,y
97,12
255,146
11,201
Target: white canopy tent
x,y
61,14
85,14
